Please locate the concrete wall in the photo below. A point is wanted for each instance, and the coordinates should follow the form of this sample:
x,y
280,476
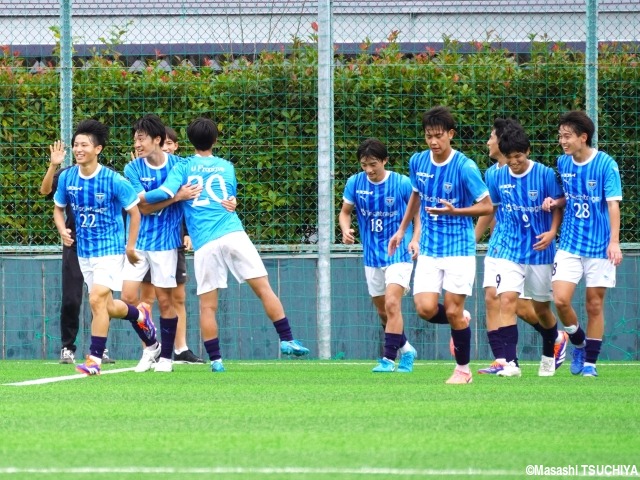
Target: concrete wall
x,y
30,303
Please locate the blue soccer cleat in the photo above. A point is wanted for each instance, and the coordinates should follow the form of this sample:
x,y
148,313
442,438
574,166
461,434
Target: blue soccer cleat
x,y
406,360
589,371
384,366
217,367
89,367
293,347
577,363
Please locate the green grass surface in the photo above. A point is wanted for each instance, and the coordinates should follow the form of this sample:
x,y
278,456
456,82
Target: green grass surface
x,y
318,419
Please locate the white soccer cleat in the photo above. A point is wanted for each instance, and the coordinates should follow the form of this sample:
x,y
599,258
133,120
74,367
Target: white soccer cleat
x,y
547,367
510,370
149,357
164,365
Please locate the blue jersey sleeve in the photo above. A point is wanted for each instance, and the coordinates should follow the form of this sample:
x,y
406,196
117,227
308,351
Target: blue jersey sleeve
x,y
133,175
612,182
473,181
491,179
349,194
554,188
60,197
412,172
125,193
170,187
406,189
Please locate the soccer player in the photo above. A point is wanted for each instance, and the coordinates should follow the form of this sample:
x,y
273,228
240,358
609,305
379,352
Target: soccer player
x,y
97,196
159,239
589,238
71,278
182,353
219,240
448,190
503,338
380,198
525,245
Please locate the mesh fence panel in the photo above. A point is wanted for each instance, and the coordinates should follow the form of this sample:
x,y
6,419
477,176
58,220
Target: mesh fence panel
x,y
252,66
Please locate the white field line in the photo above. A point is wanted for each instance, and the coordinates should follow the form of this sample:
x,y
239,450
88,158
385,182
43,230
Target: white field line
x,y
240,363
41,381
364,471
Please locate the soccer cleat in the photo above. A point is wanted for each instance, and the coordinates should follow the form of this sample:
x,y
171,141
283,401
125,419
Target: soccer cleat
x,y
89,367
67,356
547,367
577,363
149,357
146,323
164,365
459,378
466,315
560,349
589,371
510,370
186,357
106,358
406,360
384,366
217,367
493,369
293,347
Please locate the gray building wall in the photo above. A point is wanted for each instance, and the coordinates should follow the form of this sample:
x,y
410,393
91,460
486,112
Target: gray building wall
x,y
30,302
26,24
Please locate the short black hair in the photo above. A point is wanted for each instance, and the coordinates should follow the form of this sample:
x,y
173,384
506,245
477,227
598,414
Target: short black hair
x,y
579,122
98,132
372,147
438,117
513,139
152,126
202,133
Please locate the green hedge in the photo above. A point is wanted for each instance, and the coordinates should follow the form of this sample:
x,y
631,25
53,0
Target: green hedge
x,y
267,113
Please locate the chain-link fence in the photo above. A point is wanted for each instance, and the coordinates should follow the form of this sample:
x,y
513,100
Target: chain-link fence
x,y
252,66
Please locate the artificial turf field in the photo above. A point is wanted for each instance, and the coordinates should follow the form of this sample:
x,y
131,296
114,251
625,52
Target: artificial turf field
x,y
295,419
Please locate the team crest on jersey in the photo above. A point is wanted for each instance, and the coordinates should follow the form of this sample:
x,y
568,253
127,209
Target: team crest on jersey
x,y
389,201
533,195
591,185
448,187
100,197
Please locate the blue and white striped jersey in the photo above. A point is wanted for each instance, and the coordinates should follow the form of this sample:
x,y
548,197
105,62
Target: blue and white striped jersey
x,y
162,230
380,208
588,186
456,180
206,218
97,202
489,176
520,199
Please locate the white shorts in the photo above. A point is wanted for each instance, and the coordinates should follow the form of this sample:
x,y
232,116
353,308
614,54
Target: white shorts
x,y
105,271
162,264
598,272
232,252
533,281
378,278
453,274
490,274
